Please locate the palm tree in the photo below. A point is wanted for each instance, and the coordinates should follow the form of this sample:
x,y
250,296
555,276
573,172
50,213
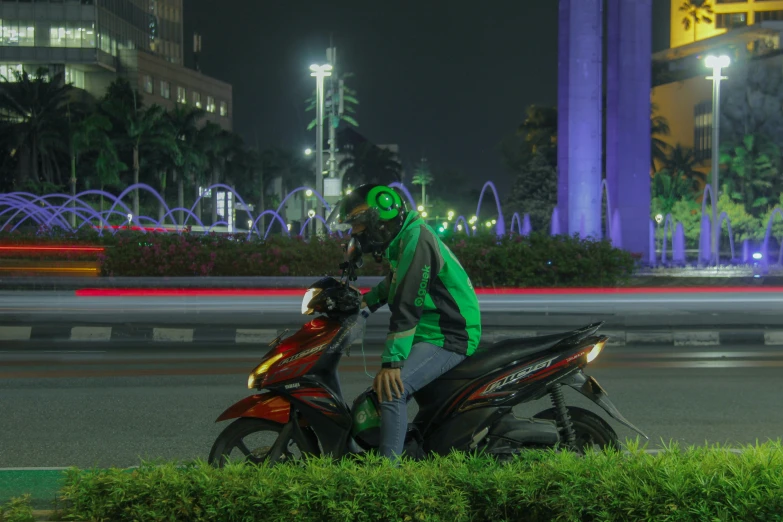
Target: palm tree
x,y
696,12
372,164
349,103
91,134
751,173
422,176
217,146
539,128
668,189
682,162
191,158
35,111
659,127
136,125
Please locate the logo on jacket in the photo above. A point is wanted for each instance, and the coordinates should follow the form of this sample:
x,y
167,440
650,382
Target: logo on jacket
x,y
425,279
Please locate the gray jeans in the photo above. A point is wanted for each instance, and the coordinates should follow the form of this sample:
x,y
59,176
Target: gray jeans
x,y
425,363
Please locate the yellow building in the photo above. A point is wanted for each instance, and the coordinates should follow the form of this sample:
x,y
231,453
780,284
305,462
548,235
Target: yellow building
x,y
726,15
746,30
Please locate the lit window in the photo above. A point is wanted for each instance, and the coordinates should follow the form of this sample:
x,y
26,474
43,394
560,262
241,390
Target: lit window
x,y
702,130
223,108
57,37
182,95
165,89
210,104
769,16
731,20
197,99
74,77
8,72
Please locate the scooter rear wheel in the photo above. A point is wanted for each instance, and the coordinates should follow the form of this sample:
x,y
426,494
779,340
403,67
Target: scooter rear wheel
x,y
592,431
231,445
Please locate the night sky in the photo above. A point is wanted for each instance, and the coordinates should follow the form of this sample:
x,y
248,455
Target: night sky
x,y
446,80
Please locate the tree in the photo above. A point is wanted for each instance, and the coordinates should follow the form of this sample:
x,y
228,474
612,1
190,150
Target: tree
x,y
34,109
751,102
368,163
422,176
681,161
539,132
534,192
659,127
696,12
667,189
91,135
136,126
344,94
751,173
190,158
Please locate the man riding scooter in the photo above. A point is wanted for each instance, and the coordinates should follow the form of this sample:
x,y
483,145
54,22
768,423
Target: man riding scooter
x,y
435,319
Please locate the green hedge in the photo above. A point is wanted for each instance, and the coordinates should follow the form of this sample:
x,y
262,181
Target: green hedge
x,y
697,484
538,260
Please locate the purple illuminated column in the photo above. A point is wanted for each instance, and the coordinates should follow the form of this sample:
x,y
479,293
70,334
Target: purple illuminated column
x,y
612,91
628,98
562,113
581,99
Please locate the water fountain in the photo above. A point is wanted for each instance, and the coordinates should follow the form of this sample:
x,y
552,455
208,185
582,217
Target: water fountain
x,y
464,222
21,209
651,258
554,224
678,247
526,227
500,226
515,219
616,233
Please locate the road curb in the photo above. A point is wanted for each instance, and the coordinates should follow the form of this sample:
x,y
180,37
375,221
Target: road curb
x,y
190,334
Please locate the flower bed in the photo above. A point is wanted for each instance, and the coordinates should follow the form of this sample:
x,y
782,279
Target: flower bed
x,y
535,261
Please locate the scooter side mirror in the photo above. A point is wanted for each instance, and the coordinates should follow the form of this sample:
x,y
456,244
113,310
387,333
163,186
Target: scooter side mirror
x,y
353,253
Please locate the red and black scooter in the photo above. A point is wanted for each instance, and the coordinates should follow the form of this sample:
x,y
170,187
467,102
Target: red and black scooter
x,y
300,404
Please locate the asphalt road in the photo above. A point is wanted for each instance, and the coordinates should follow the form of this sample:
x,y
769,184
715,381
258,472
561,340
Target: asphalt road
x,y
742,309
60,407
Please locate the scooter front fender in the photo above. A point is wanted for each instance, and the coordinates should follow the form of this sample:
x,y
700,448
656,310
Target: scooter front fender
x,y
590,388
267,405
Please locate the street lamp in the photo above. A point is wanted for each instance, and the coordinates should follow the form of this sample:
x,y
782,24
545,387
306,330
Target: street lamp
x,y
309,193
716,63
308,152
420,208
319,72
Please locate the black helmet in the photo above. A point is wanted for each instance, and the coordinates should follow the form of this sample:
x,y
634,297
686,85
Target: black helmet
x,y
379,209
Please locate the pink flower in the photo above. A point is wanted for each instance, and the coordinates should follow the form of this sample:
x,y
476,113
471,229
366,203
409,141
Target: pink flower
x,y
284,269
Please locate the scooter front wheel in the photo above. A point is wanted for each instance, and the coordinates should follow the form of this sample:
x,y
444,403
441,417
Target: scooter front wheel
x,y
252,440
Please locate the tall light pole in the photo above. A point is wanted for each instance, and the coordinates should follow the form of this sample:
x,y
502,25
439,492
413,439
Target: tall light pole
x,y
320,72
716,63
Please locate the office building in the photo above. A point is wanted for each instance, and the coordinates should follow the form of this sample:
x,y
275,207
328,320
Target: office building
x,y
93,42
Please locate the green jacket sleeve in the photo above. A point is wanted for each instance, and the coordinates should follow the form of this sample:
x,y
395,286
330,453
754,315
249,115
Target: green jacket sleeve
x,y
419,264
380,294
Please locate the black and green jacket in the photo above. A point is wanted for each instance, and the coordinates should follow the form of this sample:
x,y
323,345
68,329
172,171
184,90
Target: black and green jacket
x,y
429,293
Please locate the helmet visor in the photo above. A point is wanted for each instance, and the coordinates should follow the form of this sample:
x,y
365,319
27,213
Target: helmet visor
x,y
337,220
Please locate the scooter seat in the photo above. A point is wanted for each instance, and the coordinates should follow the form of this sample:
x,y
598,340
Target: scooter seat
x,y
505,352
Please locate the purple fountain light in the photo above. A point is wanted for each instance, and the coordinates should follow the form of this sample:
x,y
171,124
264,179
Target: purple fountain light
x,y
678,247
526,227
652,258
554,225
500,227
616,236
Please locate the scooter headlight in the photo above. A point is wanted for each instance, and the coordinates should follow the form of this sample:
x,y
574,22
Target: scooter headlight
x,y
309,296
595,351
261,369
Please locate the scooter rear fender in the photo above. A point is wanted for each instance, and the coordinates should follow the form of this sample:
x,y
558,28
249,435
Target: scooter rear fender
x,y
267,405
590,388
